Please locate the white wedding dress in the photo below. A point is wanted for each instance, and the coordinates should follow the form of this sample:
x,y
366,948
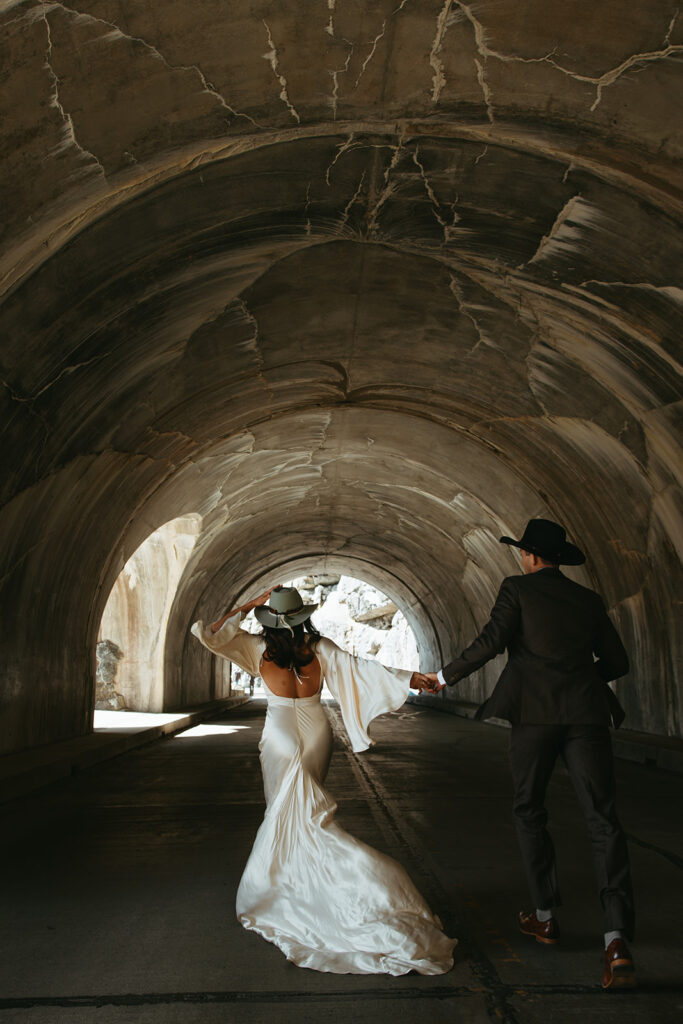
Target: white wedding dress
x,y
327,900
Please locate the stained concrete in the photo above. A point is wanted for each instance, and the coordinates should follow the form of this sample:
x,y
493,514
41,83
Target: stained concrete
x,y
114,733
121,907
363,286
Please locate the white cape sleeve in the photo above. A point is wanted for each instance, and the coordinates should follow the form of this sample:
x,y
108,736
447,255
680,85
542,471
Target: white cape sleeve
x,y
363,688
232,643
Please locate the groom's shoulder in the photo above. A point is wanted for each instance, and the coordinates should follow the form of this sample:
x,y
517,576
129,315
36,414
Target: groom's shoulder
x,y
509,590
556,584
513,582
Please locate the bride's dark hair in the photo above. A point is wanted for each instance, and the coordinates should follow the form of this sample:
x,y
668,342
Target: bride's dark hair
x,y
291,650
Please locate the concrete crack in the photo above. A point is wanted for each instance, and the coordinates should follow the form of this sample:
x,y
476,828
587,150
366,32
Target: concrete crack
x,y
28,15
672,23
116,32
272,57
600,82
570,167
256,341
452,230
335,78
479,31
429,190
484,53
389,186
70,134
30,399
481,78
464,308
69,369
355,197
671,291
442,24
610,77
13,394
340,149
176,434
22,400
372,52
376,40
482,154
325,426
329,28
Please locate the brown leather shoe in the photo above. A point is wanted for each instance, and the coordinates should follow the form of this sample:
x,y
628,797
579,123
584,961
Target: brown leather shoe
x,y
619,969
547,932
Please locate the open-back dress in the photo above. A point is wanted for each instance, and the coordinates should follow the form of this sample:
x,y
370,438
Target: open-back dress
x,y
329,901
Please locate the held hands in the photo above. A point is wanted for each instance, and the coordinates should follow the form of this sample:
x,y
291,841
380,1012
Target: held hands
x,y
425,682
434,685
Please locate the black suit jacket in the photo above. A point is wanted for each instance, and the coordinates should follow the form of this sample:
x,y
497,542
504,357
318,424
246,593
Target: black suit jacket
x,y
551,628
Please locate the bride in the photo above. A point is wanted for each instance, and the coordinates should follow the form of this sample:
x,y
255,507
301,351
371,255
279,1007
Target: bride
x,y
327,900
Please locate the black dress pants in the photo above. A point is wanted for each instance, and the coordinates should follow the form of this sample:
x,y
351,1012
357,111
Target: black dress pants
x,y
587,753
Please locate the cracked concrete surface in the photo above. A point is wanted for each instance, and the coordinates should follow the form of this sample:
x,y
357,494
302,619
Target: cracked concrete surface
x,y
362,286
272,57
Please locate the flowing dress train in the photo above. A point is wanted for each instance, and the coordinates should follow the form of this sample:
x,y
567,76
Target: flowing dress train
x,y
327,900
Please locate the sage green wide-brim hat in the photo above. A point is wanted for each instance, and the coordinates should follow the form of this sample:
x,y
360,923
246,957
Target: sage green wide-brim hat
x,y
286,609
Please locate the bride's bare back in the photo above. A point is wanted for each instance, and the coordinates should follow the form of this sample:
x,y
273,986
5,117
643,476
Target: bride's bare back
x,y
283,682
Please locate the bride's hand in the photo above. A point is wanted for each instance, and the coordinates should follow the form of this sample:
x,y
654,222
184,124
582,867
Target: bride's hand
x,y
262,598
420,681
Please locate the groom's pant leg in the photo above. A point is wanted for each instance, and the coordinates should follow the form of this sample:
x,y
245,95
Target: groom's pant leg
x,y
587,753
533,752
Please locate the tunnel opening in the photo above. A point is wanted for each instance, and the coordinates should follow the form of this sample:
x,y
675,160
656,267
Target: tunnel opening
x,y
359,617
132,632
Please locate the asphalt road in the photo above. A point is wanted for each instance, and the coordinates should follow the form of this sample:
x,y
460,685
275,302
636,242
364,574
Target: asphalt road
x,y
119,887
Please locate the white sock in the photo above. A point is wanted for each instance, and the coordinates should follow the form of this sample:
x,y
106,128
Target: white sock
x,y
610,936
544,915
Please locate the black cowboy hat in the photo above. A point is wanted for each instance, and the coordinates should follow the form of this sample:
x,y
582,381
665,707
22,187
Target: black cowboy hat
x,y
548,540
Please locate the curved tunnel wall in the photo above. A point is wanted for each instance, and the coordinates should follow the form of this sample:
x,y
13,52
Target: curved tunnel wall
x,y
378,344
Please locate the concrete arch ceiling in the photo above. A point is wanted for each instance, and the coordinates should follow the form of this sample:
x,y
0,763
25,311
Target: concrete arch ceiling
x,y
351,283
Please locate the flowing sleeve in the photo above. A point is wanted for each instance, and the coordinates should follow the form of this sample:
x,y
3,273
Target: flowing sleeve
x,y
232,643
363,688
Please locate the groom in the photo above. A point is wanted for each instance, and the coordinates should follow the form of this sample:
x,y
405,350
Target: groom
x,y
555,695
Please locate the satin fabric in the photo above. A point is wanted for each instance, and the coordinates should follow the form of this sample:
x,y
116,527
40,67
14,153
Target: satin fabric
x,y
328,901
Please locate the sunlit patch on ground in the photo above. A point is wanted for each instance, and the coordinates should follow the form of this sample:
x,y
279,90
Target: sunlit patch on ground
x,y
209,730
129,720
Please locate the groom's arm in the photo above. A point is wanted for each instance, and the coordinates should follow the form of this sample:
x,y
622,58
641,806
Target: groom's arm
x,y
493,639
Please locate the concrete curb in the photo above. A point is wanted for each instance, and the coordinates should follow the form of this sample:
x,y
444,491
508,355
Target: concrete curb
x,y
33,769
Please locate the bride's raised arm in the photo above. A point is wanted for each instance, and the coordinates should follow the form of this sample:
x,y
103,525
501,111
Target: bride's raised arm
x,y
224,637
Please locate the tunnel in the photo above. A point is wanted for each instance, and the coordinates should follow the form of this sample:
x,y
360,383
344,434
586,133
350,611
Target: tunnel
x,y
361,287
